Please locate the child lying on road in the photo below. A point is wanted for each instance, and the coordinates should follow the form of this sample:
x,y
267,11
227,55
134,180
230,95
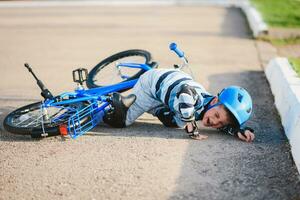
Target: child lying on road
x,y
178,101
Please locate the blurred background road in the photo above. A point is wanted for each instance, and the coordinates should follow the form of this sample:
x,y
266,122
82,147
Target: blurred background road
x,y
146,160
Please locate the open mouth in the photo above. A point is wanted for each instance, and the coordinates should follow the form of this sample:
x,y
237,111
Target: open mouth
x,y
208,122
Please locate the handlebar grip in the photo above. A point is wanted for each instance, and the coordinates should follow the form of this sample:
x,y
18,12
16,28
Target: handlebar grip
x,y
173,47
27,66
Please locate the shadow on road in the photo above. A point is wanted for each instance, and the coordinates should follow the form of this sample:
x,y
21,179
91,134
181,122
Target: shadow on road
x,y
231,169
234,20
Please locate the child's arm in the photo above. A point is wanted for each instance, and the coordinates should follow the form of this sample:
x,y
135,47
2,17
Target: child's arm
x,y
245,134
185,101
192,130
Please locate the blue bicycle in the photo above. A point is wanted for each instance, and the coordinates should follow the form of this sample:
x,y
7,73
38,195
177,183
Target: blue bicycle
x,y
75,113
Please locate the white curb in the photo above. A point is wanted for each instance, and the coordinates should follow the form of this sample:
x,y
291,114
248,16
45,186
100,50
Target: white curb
x,y
256,23
285,86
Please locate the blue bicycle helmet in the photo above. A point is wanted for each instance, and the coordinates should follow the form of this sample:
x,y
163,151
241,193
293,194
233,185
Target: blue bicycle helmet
x,y
238,101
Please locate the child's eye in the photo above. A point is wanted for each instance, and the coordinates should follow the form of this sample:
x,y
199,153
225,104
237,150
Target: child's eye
x,y
217,115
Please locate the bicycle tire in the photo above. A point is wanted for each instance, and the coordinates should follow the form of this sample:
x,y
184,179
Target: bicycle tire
x,y
51,128
91,82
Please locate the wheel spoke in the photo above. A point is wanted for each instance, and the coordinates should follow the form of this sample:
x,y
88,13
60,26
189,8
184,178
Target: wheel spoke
x,y
34,118
105,73
28,119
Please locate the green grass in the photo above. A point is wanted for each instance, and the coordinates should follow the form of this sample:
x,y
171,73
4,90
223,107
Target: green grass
x,y
280,13
281,42
295,62
285,41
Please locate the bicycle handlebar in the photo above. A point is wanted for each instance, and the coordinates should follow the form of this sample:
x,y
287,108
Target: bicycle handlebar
x,y
45,92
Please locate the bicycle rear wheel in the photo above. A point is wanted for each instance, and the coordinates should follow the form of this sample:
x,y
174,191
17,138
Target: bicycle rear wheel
x,y
106,73
32,119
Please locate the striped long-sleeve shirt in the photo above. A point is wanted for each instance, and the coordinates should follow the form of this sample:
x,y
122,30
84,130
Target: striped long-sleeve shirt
x,y
176,89
186,98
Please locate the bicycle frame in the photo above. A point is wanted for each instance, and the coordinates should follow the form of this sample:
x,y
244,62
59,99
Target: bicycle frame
x,y
76,112
97,98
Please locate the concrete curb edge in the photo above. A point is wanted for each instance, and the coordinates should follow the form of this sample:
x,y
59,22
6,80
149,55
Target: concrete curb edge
x,y
256,23
285,86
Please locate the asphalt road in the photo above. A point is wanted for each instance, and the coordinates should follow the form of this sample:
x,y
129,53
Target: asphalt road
x,y
146,160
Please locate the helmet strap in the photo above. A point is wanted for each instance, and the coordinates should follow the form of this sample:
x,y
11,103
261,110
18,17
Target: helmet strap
x,y
209,106
212,106
200,111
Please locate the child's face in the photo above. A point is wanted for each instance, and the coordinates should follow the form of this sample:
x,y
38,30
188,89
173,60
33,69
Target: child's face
x,y
216,117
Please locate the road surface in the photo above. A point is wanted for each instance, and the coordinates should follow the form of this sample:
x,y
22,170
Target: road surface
x,y
145,160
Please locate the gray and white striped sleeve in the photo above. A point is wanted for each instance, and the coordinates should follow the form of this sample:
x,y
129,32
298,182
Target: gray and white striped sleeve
x,y
185,101
186,106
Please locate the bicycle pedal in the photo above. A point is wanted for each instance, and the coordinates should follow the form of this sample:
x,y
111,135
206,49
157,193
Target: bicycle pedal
x,y
80,75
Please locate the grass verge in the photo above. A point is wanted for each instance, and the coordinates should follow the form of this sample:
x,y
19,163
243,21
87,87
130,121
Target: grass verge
x,y
295,62
280,13
281,42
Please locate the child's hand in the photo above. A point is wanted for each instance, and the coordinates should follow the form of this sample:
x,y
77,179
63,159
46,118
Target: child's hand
x,y
199,137
247,137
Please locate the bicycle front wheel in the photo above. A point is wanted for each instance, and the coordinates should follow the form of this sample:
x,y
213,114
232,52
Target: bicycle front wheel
x,y
106,73
33,120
